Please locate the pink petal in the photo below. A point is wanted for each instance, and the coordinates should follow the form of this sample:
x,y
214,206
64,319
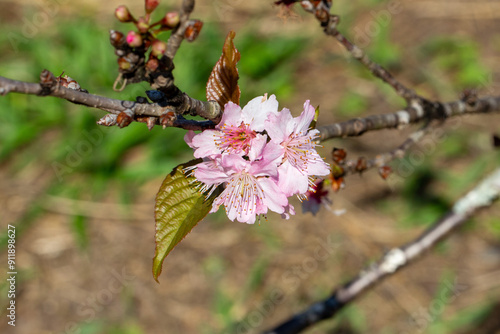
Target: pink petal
x,y
208,173
188,138
291,180
257,147
305,118
244,216
272,151
256,111
249,219
231,116
274,198
267,166
317,166
205,143
231,212
280,126
234,163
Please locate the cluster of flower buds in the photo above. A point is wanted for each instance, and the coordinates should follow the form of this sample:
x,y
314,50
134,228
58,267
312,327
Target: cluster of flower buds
x,y
131,48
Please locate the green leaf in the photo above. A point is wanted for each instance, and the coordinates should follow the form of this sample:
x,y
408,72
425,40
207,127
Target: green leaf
x,y
179,207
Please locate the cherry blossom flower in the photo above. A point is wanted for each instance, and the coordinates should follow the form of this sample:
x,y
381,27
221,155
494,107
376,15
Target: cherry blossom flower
x,y
260,155
300,160
238,130
250,186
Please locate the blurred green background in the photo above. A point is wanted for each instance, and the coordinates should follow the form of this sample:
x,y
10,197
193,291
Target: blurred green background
x,y
81,196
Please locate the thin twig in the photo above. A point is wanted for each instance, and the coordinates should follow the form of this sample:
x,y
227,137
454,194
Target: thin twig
x,y
355,166
376,69
483,195
321,10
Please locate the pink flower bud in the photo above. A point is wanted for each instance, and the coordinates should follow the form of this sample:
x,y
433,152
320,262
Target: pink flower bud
x,y
142,25
151,5
123,15
171,20
158,48
134,39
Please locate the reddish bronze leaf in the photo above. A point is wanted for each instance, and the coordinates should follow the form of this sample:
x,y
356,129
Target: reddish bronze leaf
x,y
222,85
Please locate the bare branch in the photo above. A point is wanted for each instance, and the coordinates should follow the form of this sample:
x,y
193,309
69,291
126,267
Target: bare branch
x,y
418,108
373,67
481,196
360,165
189,106
212,111
414,114
321,10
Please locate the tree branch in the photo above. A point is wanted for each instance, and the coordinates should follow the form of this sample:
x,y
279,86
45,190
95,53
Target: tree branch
x,y
418,108
414,114
377,70
212,111
483,195
321,10
190,106
360,165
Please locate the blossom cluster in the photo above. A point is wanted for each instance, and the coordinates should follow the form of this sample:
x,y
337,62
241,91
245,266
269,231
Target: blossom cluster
x,y
261,155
